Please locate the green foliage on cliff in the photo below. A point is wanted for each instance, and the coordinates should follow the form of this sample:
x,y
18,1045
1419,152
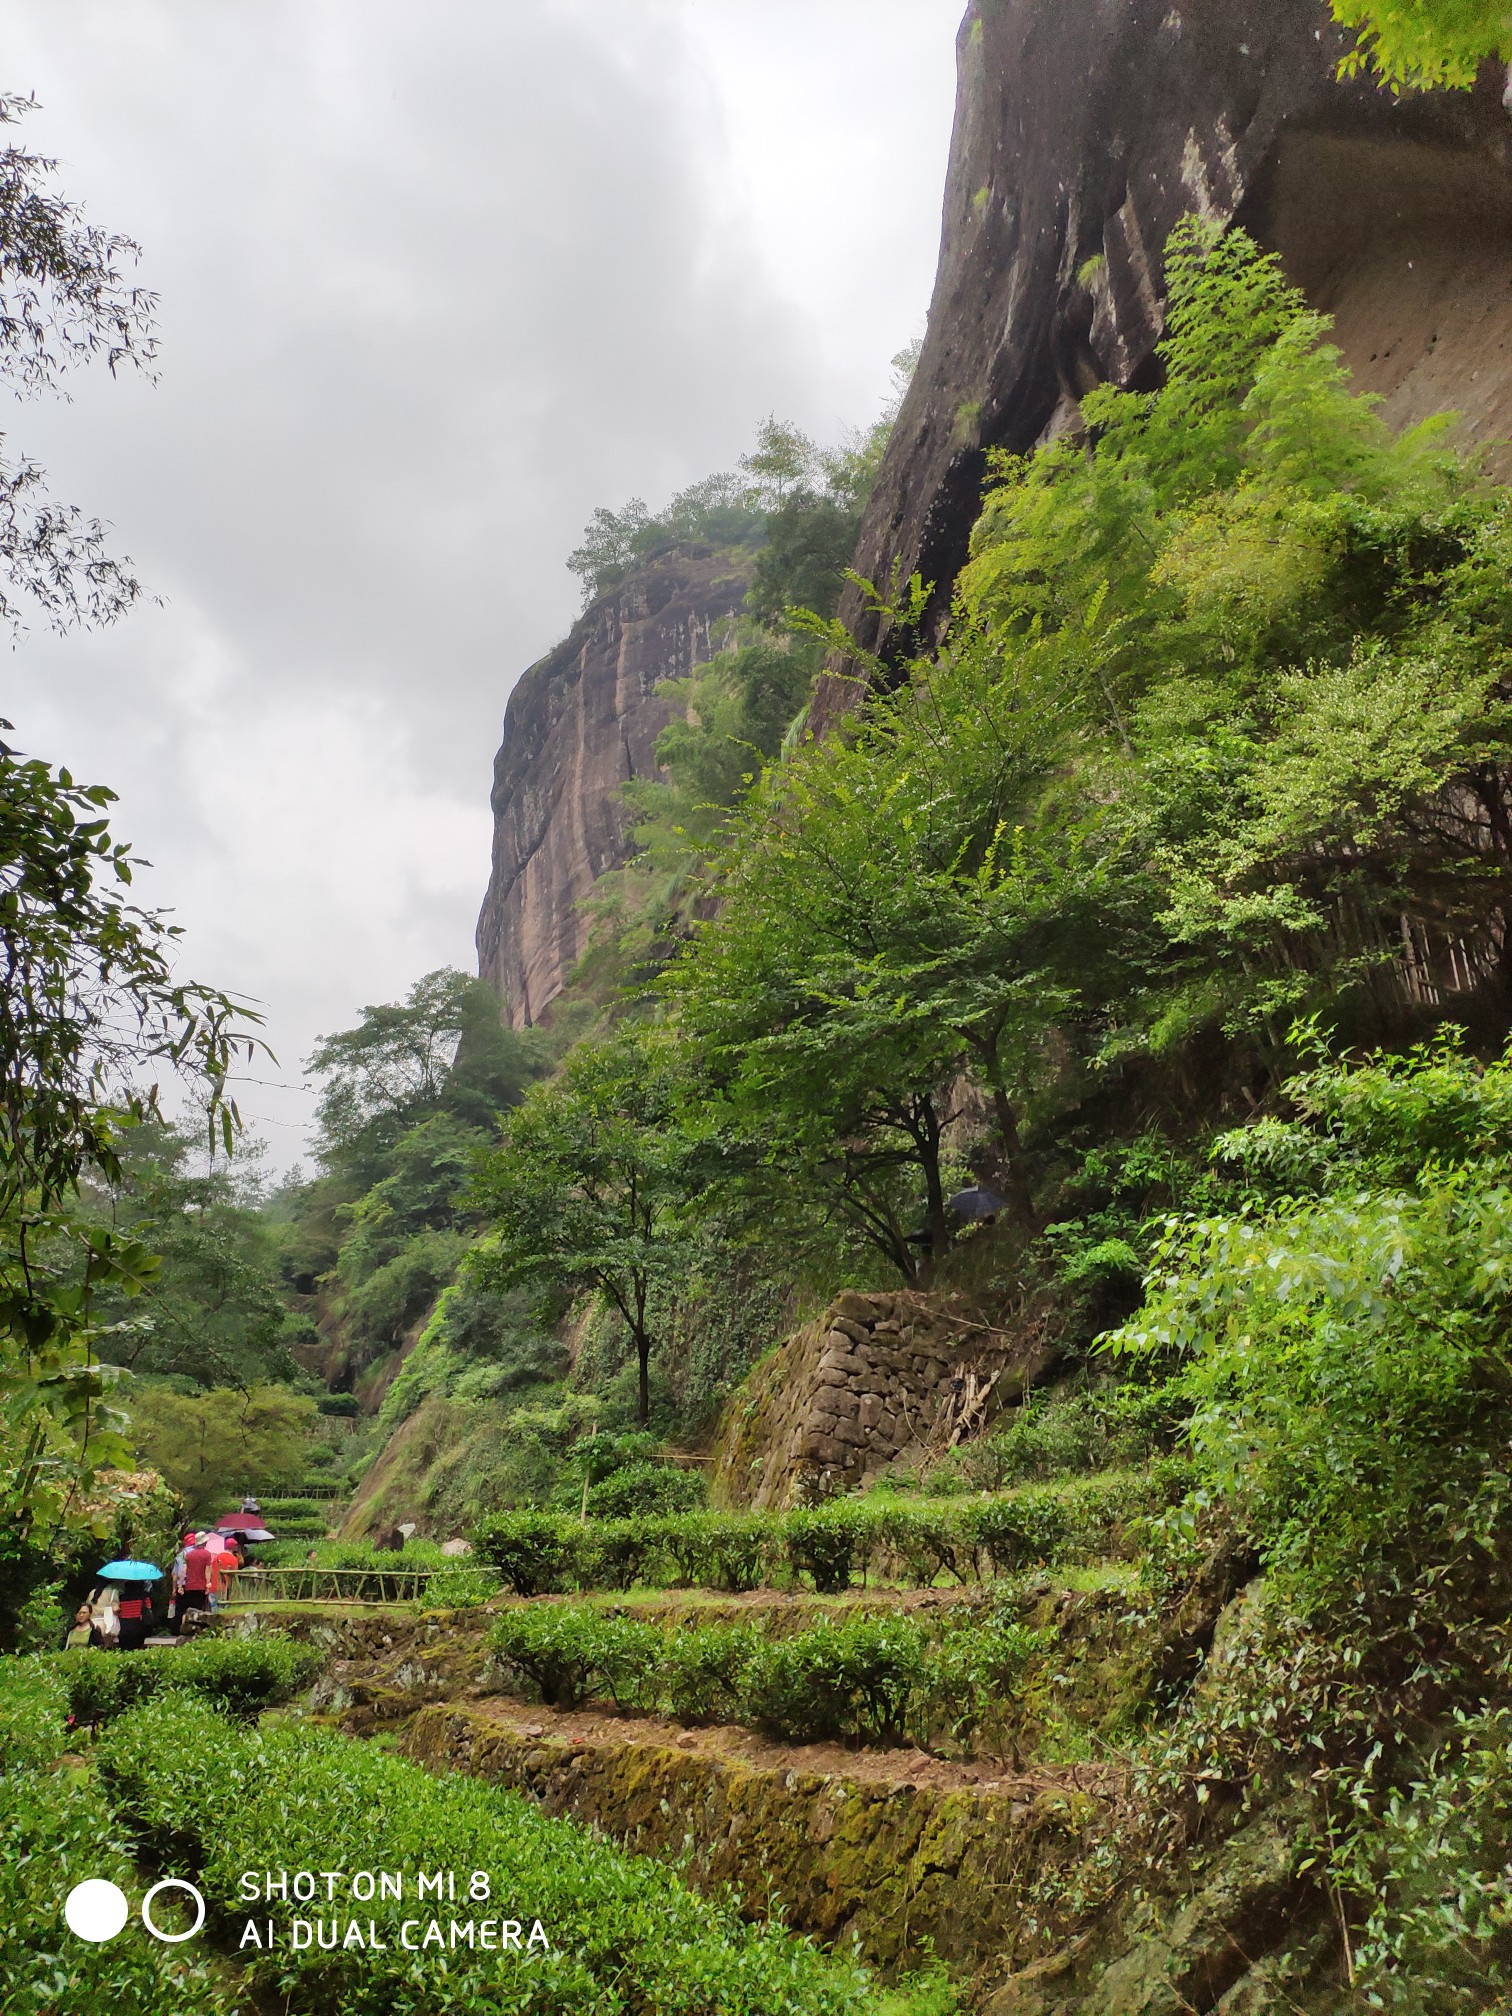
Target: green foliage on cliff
x,y
1344,1345
590,1186
1420,44
1218,735
411,1094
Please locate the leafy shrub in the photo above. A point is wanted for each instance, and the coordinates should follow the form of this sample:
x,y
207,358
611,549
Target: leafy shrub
x,y
415,1553
830,1543
240,1675
732,1551
978,1674
535,1552
1021,1530
1056,1436
1433,1869
540,1553
645,1487
1345,1353
624,1930
294,1508
927,1541
56,1830
738,1551
33,1713
863,1679
619,1553
569,1653
703,1675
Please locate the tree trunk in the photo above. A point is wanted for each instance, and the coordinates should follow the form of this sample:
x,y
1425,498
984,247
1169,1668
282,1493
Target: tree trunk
x,y
934,1189
1015,1181
643,1396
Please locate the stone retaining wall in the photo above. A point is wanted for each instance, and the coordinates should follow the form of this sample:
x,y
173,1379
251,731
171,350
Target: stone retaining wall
x,y
887,1864
877,1378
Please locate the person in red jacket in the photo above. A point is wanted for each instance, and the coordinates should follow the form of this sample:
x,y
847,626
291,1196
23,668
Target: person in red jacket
x,y
135,1613
195,1591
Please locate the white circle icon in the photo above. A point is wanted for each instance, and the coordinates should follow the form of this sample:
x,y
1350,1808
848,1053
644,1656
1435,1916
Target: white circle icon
x,y
172,1883
96,1910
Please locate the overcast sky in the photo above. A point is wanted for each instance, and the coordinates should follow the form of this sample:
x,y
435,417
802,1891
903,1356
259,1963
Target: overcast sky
x,y
437,277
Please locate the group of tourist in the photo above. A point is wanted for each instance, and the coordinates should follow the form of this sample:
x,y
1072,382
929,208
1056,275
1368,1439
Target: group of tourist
x,y
120,1617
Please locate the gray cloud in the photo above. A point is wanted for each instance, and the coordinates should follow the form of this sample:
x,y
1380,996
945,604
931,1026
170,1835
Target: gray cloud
x,y
435,281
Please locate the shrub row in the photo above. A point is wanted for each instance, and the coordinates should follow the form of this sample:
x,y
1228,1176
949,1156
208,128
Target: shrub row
x,y
359,1572
55,1830
878,1680
305,1526
239,1675
625,1933
913,1541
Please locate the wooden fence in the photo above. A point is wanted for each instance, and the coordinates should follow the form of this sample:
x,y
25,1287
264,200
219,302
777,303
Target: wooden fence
x,y
328,1585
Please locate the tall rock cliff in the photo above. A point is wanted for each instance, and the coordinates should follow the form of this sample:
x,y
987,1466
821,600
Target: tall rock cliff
x,y
1084,132
579,723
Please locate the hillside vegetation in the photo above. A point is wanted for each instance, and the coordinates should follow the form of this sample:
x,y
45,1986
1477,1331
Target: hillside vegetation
x,y
1162,894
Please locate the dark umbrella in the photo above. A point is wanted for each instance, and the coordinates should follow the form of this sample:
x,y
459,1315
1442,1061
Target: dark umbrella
x,y
977,1202
130,1571
248,1524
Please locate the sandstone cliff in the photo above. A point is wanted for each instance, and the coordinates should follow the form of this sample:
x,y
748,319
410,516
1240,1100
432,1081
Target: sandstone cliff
x,y
579,723
1083,133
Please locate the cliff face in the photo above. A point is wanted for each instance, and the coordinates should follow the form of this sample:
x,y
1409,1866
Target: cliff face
x,y
579,723
1084,132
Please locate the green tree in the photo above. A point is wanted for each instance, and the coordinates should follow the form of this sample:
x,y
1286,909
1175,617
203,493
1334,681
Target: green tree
x,y
64,301
1221,719
214,1447
212,1310
591,1186
441,1047
1423,44
90,1007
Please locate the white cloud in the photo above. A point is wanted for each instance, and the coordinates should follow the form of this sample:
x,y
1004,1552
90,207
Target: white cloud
x,y
435,282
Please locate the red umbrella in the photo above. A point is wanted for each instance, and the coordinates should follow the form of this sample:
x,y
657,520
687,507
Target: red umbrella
x,y
244,1522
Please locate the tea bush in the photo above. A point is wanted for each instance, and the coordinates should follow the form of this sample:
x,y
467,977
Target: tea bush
x,y
869,1679
535,1552
625,1933
240,1675
645,1487
352,1554
56,1830
568,1653
33,1713
864,1679
830,1546
703,1675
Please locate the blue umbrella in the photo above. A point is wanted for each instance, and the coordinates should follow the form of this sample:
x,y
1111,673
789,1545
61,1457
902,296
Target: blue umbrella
x,y
130,1571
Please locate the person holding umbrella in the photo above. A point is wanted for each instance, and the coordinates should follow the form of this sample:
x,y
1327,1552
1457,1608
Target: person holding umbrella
x,y
223,1565
133,1606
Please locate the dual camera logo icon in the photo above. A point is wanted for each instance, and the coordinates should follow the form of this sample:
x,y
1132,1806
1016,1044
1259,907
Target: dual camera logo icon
x,y
97,1910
